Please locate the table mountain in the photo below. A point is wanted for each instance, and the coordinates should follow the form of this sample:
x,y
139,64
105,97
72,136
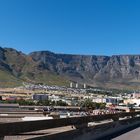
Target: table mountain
x,y
117,71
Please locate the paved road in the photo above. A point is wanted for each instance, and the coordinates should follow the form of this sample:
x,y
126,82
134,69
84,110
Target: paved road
x,y
39,133
131,135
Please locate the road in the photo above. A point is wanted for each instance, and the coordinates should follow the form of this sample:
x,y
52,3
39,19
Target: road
x,y
40,133
131,135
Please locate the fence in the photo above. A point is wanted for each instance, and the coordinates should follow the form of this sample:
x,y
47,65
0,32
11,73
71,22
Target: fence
x,y
14,128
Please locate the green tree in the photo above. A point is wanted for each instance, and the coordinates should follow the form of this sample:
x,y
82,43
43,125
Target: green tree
x,y
61,103
88,104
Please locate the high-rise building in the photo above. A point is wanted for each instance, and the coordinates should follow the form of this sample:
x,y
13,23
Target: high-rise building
x,y
84,85
71,85
76,85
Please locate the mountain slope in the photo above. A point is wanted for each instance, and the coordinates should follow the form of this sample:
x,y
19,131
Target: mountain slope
x,y
120,71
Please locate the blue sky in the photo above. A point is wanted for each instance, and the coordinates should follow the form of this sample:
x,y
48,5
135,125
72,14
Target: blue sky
x,y
102,27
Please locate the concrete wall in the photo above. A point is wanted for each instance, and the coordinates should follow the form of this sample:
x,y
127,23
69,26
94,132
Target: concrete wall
x,y
95,132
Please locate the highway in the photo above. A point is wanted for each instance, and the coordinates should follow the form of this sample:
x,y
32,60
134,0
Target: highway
x,y
131,135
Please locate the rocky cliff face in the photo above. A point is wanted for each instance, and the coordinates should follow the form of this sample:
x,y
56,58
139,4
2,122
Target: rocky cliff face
x,y
118,71
125,67
73,66
94,70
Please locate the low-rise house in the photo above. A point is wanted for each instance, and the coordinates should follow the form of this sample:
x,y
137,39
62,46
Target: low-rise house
x,y
40,97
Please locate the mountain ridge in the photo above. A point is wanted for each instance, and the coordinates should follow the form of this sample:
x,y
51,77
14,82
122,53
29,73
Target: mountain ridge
x,y
116,71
